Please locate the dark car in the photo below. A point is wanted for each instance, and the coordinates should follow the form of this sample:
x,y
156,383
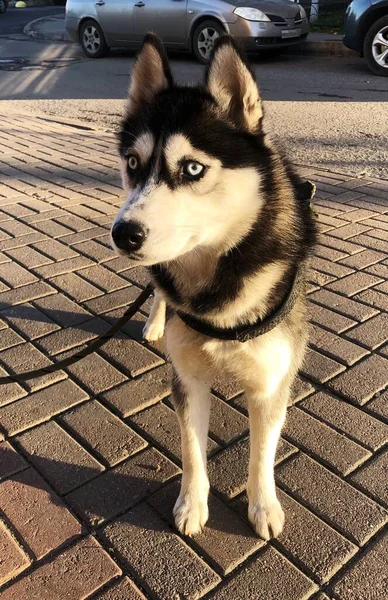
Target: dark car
x,y
3,6
366,31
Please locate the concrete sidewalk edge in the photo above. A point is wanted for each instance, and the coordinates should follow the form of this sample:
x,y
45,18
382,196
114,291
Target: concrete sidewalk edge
x,y
40,29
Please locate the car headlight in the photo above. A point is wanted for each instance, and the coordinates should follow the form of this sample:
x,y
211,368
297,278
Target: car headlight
x,y
251,14
302,12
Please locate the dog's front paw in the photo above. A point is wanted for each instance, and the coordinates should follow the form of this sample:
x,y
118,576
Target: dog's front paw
x,y
153,330
267,518
191,514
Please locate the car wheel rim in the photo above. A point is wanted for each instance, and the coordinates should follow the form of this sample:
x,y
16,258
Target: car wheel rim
x,y
91,39
206,40
380,47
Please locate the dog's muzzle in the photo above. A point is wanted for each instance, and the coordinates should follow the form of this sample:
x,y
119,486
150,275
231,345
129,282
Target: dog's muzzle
x,y
128,236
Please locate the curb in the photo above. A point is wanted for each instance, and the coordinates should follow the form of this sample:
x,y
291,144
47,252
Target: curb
x,y
39,35
325,48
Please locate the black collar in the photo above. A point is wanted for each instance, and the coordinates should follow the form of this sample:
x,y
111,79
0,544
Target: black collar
x,y
243,333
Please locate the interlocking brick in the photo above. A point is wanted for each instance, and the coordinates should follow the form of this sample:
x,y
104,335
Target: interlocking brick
x,y
13,559
347,419
106,280
10,338
372,333
365,580
62,310
63,572
95,250
228,468
16,228
122,487
342,245
279,580
363,380
36,513
176,572
55,250
330,267
52,229
27,319
118,299
358,214
130,356
107,437
136,395
320,368
95,373
379,406
58,456
323,442
68,338
124,589
363,259
329,253
300,389
329,319
161,425
378,269
76,287
349,231
138,275
227,540
226,386
327,495
346,306
24,294
317,278
335,346
19,242
28,257
354,284
319,549
10,391
372,478
369,241
40,406
10,461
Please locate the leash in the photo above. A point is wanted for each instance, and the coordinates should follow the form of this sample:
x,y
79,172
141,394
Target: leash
x,y
90,348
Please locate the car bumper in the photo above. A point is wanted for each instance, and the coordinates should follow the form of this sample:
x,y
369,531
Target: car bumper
x,y
255,35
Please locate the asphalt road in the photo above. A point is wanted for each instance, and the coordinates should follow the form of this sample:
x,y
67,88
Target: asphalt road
x,y
326,111
15,19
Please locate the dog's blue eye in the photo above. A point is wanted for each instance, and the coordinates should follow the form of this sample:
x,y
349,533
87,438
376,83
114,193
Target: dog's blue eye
x,y
132,163
193,169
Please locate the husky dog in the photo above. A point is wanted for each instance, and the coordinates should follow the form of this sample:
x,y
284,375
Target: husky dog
x,y
224,224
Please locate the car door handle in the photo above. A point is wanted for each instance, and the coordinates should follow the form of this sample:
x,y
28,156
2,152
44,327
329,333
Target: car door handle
x,y
139,4
100,3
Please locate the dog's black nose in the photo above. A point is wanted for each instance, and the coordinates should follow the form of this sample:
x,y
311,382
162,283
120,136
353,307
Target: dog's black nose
x,y
128,235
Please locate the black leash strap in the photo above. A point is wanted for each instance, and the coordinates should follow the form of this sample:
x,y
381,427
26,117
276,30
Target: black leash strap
x,y
89,349
243,333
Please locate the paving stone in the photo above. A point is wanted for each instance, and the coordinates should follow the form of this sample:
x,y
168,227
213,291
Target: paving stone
x,y
365,579
129,356
29,321
320,368
36,513
353,284
318,278
347,419
76,287
228,469
95,373
372,478
226,540
16,228
137,275
159,424
363,259
371,334
226,386
71,337
10,391
366,240
339,504
13,559
349,231
319,549
346,306
64,266
58,456
52,229
9,338
335,347
26,293
106,280
330,267
379,269
118,299
55,250
322,442
28,257
358,215
63,572
350,247
379,406
279,580
10,461
124,589
40,406
122,487
108,438
26,357
329,319
137,394
375,298
362,381
160,561
329,253
226,424
62,310
95,250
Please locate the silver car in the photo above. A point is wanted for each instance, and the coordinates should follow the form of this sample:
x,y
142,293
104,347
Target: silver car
x,y
191,25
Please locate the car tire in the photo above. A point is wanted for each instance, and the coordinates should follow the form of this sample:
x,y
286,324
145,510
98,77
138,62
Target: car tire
x,y
203,39
92,39
376,55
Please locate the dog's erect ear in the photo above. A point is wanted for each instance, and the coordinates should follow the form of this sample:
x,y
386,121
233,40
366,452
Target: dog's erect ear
x,y
151,73
232,84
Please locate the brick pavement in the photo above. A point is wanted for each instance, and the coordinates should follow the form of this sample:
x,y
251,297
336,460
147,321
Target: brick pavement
x,y
90,458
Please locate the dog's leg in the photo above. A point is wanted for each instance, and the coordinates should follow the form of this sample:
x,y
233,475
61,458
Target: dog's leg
x,y
154,328
266,416
191,396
